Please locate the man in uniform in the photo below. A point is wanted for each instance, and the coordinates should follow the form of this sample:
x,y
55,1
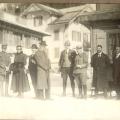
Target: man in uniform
x,y
66,64
4,67
80,71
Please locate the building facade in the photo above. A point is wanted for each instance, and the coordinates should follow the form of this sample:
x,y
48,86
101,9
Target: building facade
x,y
104,25
60,24
14,31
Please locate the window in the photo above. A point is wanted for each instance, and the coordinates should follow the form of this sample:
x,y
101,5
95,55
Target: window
x,y
38,20
76,36
57,52
27,42
86,42
56,35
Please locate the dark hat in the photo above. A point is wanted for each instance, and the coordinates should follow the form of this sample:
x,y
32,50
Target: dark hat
x,y
34,46
4,46
43,43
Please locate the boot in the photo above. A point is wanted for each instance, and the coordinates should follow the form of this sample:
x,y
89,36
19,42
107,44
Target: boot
x,y
80,92
73,92
105,93
85,91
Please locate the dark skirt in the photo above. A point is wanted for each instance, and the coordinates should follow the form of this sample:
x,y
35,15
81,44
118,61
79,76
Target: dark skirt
x,y
20,81
100,80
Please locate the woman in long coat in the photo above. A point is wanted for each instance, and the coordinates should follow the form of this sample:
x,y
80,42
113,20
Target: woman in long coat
x,y
20,82
116,70
43,67
100,63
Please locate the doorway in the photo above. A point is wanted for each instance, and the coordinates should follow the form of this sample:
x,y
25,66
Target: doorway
x,y
113,40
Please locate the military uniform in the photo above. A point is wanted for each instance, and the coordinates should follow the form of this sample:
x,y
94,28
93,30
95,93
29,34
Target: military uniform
x,y
4,76
80,73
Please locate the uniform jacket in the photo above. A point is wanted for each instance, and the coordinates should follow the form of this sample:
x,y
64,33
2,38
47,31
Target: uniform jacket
x,y
4,62
80,59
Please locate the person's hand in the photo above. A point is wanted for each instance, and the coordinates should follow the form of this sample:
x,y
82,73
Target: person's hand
x,y
26,71
59,70
7,68
33,61
78,66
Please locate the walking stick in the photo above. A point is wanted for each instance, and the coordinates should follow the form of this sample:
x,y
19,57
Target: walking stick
x,y
10,82
28,75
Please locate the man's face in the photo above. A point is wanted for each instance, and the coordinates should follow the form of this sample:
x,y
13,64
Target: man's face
x,y
42,47
117,50
34,50
19,49
67,47
99,49
79,50
4,49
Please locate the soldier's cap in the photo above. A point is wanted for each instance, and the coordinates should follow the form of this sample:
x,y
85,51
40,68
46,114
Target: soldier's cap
x,y
4,46
67,43
79,47
34,46
43,43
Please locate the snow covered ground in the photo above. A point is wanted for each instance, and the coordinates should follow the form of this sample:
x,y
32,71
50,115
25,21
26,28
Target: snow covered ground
x,y
59,108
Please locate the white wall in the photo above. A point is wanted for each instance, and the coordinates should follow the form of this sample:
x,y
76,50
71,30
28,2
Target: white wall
x,y
79,28
52,43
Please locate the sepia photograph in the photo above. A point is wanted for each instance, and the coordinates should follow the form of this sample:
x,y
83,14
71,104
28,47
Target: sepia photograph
x,y
59,61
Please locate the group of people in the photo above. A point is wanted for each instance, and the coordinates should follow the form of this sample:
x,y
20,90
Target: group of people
x,y
72,64
38,65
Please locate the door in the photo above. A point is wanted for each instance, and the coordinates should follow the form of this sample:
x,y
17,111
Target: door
x,y
113,41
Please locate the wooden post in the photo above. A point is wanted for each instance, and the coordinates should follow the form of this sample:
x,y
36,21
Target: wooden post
x,y
91,40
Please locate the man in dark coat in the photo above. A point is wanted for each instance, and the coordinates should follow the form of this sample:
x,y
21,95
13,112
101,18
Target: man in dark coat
x,y
4,67
20,81
43,69
33,67
116,71
66,64
100,63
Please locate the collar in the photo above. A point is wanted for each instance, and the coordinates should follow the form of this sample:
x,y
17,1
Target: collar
x,y
79,53
67,50
118,55
19,53
99,53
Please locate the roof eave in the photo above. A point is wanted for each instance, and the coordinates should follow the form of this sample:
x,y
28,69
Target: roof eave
x,y
36,33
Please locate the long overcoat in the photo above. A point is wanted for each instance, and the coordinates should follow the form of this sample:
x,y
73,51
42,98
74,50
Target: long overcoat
x,y
43,67
116,69
100,71
20,81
